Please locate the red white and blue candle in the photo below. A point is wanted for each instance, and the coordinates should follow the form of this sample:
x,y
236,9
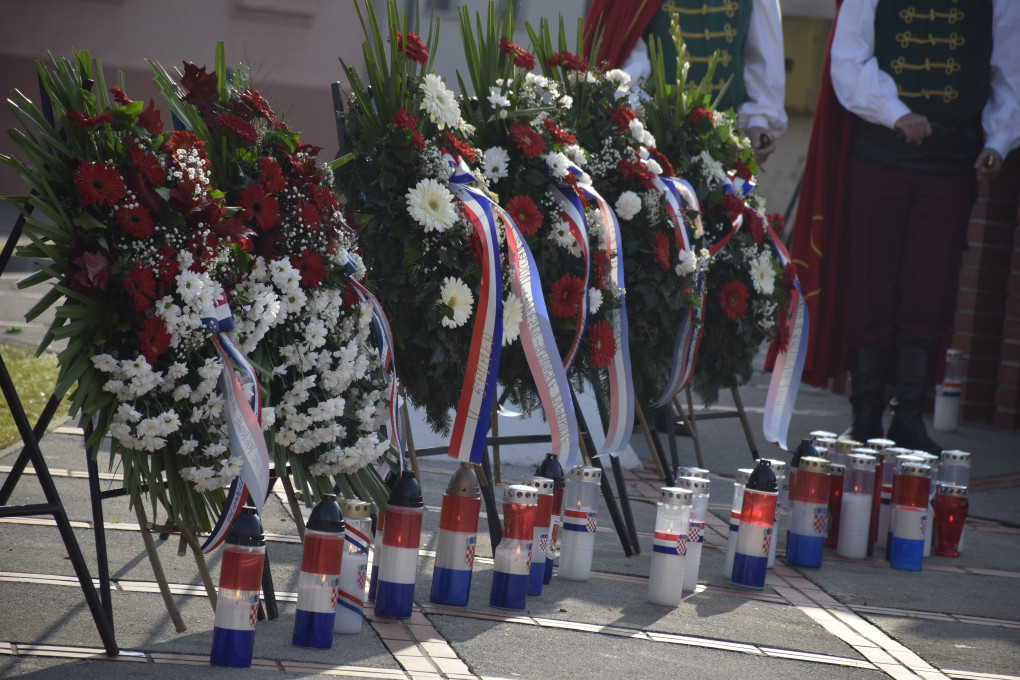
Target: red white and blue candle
x,y
512,557
757,525
836,472
398,566
669,546
350,600
739,482
909,515
699,488
551,468
237,604
319,579
580,517
458,535
543,533
373,582
883,489
809,509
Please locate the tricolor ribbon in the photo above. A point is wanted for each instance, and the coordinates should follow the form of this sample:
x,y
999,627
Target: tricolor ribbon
x,y
471,422
539,345
735,186
790,363
572,210
244,428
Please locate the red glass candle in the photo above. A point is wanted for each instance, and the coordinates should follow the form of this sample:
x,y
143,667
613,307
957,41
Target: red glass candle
x,y
950,514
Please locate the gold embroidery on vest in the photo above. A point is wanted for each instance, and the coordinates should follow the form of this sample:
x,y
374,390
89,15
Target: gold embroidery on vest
x,y
728,6
953,41
950,66
728,32
909,14
947,94
724,58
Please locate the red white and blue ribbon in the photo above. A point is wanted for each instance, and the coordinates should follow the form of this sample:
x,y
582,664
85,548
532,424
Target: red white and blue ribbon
x,y
789,364
384,342
539,345
736,186
244,427
572,210
621,382
471,423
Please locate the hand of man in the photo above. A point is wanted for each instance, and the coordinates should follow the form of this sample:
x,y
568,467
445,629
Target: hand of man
x,y
988,165
762,143
914,127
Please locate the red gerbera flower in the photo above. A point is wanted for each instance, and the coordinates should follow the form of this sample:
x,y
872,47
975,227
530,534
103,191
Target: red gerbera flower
x,y
403,120
260,105
272,176
415,51
753,225
150,120
527,140
93,271
135,221
743,172
140,285
259,206
238,127
699,113
167,267
310,265
622,115
559,135
733,299
119,96
154,339
98,184
566,295
183,139
603,344
521,58
733,207
661,243
310,215
525,214
147,167
600,267
81,120
460,148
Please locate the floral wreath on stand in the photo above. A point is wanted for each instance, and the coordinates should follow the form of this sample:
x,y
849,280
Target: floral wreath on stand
x,y
137,246
301,319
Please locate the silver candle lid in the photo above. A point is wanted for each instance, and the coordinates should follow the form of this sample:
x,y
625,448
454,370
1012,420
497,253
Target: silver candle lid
x,y
954,457
837,469
584,473
742,475
355,509
695,484
915,470
521,493
813,464
880,443
674,495
543,485
859,460
950,490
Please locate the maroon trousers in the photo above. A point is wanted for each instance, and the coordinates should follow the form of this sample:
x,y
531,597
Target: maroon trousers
x,y
907,237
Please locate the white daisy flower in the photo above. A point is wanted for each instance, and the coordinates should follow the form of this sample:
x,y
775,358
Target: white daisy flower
x,y
457,296
594,299
497,98
439,102
628,205
513,313
762,275
431,205
558,163
495,163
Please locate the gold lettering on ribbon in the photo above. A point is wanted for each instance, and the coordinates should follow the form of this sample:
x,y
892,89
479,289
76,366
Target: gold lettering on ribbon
x,y
724,59
952,16
950,66
953,40
730,7
947,94
484,353
728,32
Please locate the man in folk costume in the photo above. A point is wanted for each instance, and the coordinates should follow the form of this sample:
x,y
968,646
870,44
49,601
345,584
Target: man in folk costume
x,y
927,105
748,35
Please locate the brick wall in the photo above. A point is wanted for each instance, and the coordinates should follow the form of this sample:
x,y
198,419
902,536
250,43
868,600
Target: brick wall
x,y
987,328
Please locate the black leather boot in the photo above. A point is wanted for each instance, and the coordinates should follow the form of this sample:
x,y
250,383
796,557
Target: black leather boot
x,y
870,371
907,427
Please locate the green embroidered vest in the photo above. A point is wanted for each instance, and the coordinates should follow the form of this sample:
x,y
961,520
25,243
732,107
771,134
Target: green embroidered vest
x,y
707,26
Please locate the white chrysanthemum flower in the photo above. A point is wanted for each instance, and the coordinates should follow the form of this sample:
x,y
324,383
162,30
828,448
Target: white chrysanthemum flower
x,y
566,101
497,98
105,363
559,165
628,205
513,313
495,163
457,296
439,102
594,299
637,129
576,154
687,262
648,139
710,166
762,275
653,166
618,76
431,205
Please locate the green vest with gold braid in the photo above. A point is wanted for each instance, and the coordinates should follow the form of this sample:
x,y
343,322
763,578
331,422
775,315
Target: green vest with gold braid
x,y
938,53
707,26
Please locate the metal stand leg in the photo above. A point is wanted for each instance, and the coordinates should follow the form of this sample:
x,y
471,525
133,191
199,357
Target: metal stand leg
x,y
157,567
268,592
689,425
295,507
628,514
485,485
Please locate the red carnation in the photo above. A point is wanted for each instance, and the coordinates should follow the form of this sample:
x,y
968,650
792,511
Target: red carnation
x,y
150,120
527,140
154,339
600,267
310,265
559,135
140,285
521,58
403,120
753,225
98,184
81,120
93,271
525,214
789,274
733,299
257,205
699,113
661,242
238,127
733,207
416,50
636,170
135,221
119,96
622,115
566,295
272,176
460,148
660,158
260,105
603,344
743,172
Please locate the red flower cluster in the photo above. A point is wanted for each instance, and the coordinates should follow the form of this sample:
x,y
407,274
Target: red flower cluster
x,y
777,222
661,245
699,113
98,184
733,207
743,172
733,299
569,62
415,49
636,170
83,121
311,267
571,181
753,225
600,268
565,296
622,115
154,338
140,285
150,120
260,106
559,135
237,127
789,274
258,205
521,57
201,88
527,140
460,148
783,331
525,214
403,120
660,158
603,344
